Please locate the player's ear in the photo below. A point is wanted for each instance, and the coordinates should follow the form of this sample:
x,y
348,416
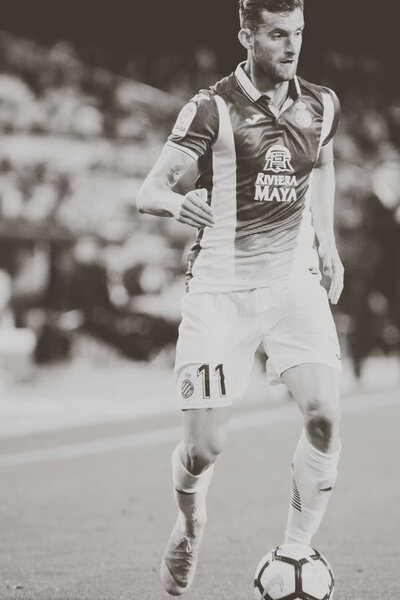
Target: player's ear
x,y
246,38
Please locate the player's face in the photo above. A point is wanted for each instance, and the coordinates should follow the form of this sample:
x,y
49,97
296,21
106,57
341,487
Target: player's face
x,y
277,43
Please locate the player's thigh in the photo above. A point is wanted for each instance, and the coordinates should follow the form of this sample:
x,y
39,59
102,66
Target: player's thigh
x,y
215,351
314,386
303,331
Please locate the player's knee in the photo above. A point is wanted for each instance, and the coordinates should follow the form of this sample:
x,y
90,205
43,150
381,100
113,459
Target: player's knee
x,y
322,424
199,456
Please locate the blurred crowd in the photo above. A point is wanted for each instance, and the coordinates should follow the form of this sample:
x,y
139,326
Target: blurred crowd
x,y
76,141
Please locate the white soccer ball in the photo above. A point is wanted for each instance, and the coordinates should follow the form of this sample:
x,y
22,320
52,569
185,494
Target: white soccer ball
x,y
293,572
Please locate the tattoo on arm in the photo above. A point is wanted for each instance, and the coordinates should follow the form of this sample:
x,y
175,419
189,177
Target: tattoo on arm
x,y
174,174
156,195
166,173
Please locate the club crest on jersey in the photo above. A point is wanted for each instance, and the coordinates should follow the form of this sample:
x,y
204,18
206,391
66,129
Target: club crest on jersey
x,y
302,117
276,183
278,159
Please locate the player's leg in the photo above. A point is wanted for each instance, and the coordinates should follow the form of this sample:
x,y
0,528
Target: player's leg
x,y
213,338
304,351
205,432
314,469
193,460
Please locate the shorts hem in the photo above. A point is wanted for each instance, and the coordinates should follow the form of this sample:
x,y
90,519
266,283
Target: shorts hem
x,y
198,405
315,361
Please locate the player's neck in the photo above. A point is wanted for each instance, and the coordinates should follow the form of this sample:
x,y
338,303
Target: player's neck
x,y
278,92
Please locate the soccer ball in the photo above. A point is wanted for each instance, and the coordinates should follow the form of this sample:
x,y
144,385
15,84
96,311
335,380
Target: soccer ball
x,y
293,572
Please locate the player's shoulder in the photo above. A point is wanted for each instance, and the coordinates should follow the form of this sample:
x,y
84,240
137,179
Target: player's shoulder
x,y
206,97
326,103
203,97
200,109
317,92
199,117
225,85
204,103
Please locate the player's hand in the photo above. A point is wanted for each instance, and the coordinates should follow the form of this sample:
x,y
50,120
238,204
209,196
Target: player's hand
x,y
195,211
333,268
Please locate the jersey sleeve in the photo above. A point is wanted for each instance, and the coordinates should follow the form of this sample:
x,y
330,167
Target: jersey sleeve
x,y
196,126
334,117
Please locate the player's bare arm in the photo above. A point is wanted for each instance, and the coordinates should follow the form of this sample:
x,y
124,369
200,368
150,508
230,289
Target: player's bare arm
x,y
156,195
322,208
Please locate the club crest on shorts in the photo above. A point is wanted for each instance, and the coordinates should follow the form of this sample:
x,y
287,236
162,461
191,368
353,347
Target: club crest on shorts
x,y
278,159
187,388
185,119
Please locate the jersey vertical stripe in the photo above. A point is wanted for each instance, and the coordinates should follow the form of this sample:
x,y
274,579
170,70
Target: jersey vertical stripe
x,y
327,118
305,255
218,241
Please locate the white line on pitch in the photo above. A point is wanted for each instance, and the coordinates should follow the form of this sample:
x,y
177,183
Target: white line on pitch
x,y
263,418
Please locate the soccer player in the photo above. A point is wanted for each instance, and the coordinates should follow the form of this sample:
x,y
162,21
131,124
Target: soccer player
x,y
259,136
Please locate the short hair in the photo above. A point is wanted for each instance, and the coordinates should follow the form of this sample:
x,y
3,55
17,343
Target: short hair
x,y
250,10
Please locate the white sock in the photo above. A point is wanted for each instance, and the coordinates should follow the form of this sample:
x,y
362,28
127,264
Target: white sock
x,y
313,477
190,491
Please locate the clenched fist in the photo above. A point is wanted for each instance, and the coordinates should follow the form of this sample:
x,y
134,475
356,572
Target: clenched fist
x,y
195,211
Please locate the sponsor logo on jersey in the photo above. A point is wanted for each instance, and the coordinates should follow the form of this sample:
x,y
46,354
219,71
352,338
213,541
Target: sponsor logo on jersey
x,y
277,182
185,119
254,119
187,388
278,159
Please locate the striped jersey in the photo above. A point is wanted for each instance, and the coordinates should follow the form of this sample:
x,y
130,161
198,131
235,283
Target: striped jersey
x,y
256,164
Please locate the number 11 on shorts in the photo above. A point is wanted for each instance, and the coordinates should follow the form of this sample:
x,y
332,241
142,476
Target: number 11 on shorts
x,y
204,373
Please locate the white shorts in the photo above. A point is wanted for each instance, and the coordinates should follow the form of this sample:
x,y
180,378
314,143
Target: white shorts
x,y
220,333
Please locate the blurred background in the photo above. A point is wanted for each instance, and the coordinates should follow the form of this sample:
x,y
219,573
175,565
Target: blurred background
x,y
90,289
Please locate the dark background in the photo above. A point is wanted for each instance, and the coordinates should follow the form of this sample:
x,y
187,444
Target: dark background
x,y
119,30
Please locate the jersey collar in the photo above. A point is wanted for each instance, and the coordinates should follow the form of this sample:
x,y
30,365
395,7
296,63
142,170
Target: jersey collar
x,y
252,92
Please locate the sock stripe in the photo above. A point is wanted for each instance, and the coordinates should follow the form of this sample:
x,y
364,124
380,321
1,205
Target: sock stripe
x,y
296,501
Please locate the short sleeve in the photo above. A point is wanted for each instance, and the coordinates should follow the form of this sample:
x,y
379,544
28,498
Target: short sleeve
x,y
196,127
335,117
